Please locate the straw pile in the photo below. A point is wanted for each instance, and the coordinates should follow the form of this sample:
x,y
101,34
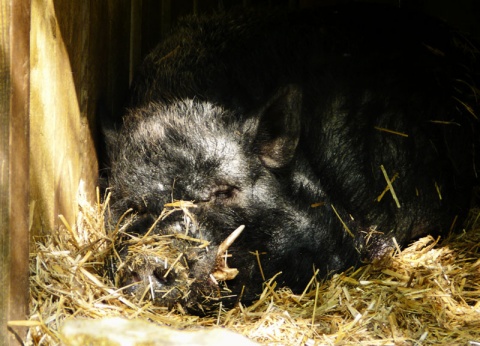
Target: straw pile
x,y
426,294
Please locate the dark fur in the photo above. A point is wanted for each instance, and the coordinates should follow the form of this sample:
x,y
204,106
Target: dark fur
x,y
257,117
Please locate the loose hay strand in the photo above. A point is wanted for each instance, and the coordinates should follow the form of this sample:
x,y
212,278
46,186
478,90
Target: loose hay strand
x,y
391,131
257,256
390,186
173,265
342,222
387,188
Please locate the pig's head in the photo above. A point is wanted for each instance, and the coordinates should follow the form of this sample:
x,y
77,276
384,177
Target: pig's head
x,y
238,168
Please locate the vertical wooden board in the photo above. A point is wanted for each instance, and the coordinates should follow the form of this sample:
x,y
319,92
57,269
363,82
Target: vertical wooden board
x,y
14,167
55,125
81,40
95,83
118,62
79,58
19,167
135,37
4,165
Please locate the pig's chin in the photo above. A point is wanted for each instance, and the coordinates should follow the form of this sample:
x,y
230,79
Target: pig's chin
x,y
191,287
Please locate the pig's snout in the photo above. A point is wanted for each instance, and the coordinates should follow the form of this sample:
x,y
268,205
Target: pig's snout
x,y
188,279
158,277
148,277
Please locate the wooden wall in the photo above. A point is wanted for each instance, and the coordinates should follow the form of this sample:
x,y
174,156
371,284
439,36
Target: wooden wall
x,y
59,60
55,69
14,164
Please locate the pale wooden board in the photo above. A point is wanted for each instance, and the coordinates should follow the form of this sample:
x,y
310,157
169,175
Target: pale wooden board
x,y
79,57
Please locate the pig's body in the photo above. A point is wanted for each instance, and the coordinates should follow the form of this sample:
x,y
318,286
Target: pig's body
x,y
281,123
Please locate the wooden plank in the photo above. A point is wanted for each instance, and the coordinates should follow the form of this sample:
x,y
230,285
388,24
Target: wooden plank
x,y
118,63
79,58
19,166
14,162
54,122
135,37
5,87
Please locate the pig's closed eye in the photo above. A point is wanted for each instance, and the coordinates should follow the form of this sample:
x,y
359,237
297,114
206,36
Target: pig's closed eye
x,y
224,192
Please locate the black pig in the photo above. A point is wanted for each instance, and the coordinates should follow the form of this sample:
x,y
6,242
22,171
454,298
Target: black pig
x,y
325,133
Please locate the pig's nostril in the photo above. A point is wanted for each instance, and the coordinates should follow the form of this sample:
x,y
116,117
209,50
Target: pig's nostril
x,y
159,274
135,277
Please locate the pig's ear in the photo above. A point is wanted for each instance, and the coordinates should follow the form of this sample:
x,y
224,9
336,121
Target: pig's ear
x,y
279,126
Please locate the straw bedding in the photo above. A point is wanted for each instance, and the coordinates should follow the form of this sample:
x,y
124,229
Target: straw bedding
x,y
427,294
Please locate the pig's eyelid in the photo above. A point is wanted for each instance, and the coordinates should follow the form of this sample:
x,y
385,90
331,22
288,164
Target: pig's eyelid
x,y
225,191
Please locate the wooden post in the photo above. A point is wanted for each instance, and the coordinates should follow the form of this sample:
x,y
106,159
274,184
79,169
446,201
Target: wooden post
x,y
14,166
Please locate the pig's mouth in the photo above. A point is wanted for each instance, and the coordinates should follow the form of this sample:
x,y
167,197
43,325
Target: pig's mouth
x,y
177,271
